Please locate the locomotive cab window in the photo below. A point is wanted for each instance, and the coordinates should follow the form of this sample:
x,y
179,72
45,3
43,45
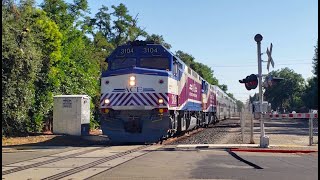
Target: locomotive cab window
x,y
122,63
175,69
175,66
155,63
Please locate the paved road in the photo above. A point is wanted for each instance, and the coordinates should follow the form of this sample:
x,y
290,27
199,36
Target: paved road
x,y
156,162
216,164
171,161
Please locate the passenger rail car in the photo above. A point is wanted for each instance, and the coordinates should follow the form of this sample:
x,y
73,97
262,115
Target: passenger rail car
x,y
148,93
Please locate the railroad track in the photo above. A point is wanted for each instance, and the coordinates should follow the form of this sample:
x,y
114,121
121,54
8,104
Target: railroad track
x,y
122,156
99,161
180,137
48,161
187,134
94,163
215,133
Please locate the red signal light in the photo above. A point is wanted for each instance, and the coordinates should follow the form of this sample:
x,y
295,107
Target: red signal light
x,y
250,82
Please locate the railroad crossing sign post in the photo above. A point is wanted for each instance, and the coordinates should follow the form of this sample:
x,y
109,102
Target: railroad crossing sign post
x,y
264,140
270,60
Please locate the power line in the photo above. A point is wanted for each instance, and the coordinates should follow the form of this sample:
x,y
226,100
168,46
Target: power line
x,y
294,60
244,65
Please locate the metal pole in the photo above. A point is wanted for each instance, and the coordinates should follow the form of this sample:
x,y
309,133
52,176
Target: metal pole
x,y
260,86
242,123
251,127
310,130
251,122
258,38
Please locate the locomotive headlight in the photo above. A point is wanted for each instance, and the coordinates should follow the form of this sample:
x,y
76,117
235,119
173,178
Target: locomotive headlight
x,y
160,101
132,81
132,78
106,101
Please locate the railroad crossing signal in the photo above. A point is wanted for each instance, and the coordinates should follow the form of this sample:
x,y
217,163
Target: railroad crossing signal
x,y
270,60
250,82
270,81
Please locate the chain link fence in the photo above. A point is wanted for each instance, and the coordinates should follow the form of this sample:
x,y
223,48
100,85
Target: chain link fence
x,y
314,131
247,126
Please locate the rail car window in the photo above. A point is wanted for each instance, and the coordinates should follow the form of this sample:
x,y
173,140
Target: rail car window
x,y
194,74
122,63
155,63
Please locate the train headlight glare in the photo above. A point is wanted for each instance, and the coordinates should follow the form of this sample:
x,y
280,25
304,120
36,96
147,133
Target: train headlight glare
x,y
160,101
132,78
132,83
106,101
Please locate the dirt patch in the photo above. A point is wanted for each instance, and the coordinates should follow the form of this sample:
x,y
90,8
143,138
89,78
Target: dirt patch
x,y
26,140
50,139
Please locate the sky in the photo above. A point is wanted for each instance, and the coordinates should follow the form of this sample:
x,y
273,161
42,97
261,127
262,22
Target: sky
x,y
220,33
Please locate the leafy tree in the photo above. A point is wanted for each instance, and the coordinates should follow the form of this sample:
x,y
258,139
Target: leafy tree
x,y
64,14
102,22
78,71
240,105
57,10
310,97
158,39
286,95
185,57
223,87
49,41
102,49
231,96
315,61
204,71
78,8
87,25
125,26
21,62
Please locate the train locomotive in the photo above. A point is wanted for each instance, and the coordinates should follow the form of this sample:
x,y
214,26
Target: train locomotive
x,y
147,93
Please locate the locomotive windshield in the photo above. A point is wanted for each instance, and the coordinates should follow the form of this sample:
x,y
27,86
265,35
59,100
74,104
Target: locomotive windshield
x,y
122,63
146,55
155,63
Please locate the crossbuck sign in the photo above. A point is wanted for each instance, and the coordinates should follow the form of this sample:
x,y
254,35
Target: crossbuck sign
x,y
270,60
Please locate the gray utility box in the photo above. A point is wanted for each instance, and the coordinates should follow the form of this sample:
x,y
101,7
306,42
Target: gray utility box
x,y
71,114
265,106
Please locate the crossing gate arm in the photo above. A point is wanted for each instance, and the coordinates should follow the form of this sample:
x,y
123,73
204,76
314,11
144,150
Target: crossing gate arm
x,y
293,116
